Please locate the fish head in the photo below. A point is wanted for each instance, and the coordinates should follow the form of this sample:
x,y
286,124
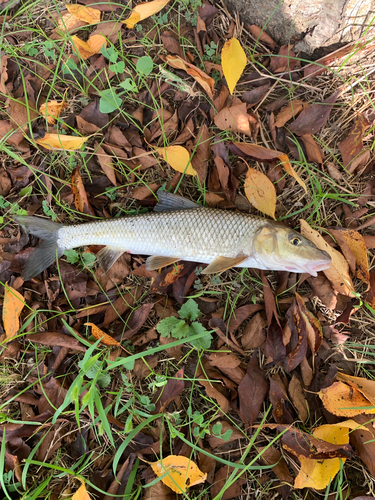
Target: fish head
x,y
280,248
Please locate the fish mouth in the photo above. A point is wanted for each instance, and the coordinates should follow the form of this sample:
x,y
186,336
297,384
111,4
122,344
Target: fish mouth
x,y
313,267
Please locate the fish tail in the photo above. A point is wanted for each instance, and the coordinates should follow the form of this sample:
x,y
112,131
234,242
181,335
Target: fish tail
x,y
48,251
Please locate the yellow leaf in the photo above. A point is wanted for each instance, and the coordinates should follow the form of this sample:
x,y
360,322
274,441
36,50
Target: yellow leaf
x,y
61,142
12,308
260,192
338,271
365,387
99,334
180,472
343,400
178,158
143,11
89,48
318,473
81,493
288,167
233,62
52,110
83,13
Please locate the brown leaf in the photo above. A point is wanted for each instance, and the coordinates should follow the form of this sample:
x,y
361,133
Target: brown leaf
x,y
220,328
262,36
106,163
314,152
22,113
200,76
235,488
206,377
333,171
364,443
298,398
357,247
112,30
272,456
171,44
338,272
202,154
122,304
142,192
92,114
143,367
291,110
252,97
241,314
254,334
80,197
136,320
172,389
314,117
56,339
236,119
352,145
282,409
370,295
252,392
285,61
228,363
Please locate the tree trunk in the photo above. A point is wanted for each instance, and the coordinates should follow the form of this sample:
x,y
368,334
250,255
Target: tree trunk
x,y
310,24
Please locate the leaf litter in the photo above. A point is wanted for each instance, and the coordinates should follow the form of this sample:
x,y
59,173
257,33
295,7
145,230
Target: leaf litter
x,y
177,364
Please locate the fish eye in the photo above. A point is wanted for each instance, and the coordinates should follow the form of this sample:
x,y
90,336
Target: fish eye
x,y
295,240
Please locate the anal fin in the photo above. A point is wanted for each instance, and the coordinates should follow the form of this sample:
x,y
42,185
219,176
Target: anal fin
x,y
106,257
221,264
156,262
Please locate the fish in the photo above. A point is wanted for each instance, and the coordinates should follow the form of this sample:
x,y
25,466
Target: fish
x,y
180,229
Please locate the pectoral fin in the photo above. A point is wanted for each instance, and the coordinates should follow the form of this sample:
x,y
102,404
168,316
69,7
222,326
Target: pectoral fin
x,y
156,262
221,264
106,257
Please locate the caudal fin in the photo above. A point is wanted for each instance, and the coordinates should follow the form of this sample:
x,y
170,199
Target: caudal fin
x,y
48,251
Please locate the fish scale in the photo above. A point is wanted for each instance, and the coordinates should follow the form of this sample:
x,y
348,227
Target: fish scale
x,y
199,234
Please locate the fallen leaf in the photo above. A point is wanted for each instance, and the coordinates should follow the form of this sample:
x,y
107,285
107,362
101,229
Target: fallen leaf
x,y
66,24
365,387
259,153
338,271
282,409
314,117
285,60
233,61
352,146
272,456
297,396
178,472
357,246
61,142
105,162
227,490
318,474
143,11
262,36
22,113
228,363
100,335
12,308
178,158
200,76
52,109
83,13
80,197
172,389
364,443
291,110
345,401
260,192
81,493
252,391
314,152
254,333
370,295
93,45
234,118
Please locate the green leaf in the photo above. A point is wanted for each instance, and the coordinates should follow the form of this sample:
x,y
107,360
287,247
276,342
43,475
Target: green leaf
x,y
203,342
166,325
129,85
88,258
128,424
109,101
110,53
26,191
227,435
144,65
216,429
71,256
190,310
104,380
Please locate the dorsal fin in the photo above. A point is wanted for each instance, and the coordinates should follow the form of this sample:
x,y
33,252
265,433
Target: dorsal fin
x,y
169,202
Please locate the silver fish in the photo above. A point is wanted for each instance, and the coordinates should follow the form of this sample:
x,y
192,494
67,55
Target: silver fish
x,y
180,229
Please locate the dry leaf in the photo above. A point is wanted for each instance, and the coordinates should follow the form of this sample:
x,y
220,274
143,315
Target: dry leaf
x,y
87,49
357,246
366,387
81,493
318,474
181,472
200,76
52,110
343,400
290,111
61,142
12,308
80,197
99,334
338,271
143,11
67,23
178,158
260,192
233,61
106,163
86,14
234,118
